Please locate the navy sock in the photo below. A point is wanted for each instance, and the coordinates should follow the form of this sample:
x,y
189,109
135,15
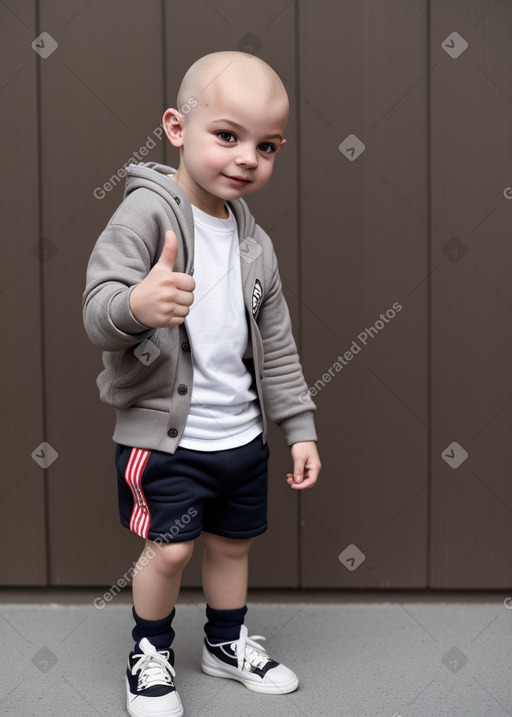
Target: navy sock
x,y
158,632
224,625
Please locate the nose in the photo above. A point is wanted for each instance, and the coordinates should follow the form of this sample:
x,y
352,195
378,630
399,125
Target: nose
x,y
246,156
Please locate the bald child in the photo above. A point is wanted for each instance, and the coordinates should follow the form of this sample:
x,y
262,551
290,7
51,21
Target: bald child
x,y
184,297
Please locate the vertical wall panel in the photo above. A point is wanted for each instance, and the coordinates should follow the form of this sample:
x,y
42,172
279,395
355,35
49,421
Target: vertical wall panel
x,y
266,29
22,524
471,116
101,99
364,251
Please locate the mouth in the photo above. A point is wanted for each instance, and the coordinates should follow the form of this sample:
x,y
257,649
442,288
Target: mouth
x,y
238,181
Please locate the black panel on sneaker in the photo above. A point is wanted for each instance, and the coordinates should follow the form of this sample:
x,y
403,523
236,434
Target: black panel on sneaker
x,y
227,654
247,661
156,690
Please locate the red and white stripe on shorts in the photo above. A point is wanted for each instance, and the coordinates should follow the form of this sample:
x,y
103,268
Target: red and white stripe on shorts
x,y
140,519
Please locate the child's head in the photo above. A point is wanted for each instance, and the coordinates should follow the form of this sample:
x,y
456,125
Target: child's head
x,y
229,125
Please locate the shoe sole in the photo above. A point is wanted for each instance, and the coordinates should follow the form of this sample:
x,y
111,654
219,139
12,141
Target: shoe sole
x,y
213,667
134,712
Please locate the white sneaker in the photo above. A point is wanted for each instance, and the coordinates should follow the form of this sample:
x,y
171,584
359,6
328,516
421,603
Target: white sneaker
x,y
246,661
150,690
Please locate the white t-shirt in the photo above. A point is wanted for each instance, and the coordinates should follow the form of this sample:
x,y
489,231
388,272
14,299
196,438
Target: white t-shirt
x,y
224,410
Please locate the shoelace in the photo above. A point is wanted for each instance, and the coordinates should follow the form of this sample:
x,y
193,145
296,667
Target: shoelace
x,y
154,668
247,649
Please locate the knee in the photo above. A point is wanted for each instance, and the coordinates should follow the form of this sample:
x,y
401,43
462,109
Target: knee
x,y
216,546
173,557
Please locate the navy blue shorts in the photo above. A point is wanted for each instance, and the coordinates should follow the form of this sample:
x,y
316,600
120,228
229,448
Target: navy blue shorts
x,y
175,496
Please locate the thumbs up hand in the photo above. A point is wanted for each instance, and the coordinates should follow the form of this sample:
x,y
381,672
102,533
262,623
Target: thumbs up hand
x,y
163,298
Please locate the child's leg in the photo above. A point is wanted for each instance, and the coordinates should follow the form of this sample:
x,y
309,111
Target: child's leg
x,y
228,651
225,575
225,571
156,584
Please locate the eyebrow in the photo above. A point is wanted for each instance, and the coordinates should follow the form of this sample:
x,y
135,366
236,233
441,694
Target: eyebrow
x,y
225,120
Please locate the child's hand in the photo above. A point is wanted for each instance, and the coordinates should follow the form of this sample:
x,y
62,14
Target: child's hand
x,y
163,297
306,465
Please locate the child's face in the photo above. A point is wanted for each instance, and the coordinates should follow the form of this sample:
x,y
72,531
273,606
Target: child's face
x,y
228,146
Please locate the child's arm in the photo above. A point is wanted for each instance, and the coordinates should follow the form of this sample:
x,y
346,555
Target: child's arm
x,y
120,266
284,386
283,383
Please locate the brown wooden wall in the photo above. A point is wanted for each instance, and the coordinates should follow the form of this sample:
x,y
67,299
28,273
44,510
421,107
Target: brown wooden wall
x,y
391,213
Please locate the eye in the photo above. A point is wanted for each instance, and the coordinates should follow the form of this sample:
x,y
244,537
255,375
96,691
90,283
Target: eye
x,y
267,147
225,136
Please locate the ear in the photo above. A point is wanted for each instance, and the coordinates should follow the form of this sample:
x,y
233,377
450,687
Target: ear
x,y
280,146
172,122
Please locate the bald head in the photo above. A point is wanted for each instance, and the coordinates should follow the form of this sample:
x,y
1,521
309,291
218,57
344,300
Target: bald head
x,y
229,123
225,75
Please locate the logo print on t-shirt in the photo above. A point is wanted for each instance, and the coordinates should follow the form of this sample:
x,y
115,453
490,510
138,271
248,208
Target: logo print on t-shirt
x,y
257,294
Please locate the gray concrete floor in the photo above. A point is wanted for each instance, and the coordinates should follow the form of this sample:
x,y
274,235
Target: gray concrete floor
x,y
393,654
